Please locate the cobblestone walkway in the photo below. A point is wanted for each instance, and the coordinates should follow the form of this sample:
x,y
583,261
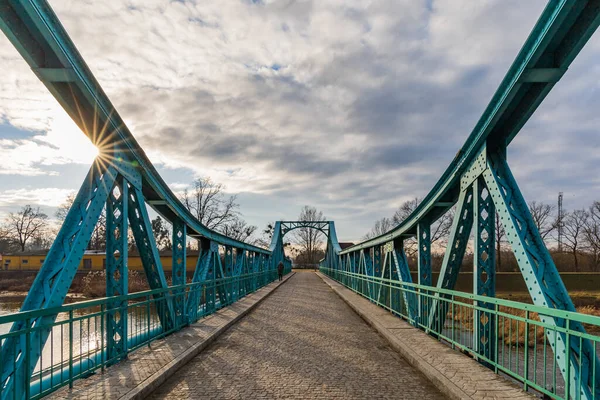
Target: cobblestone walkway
x,y
302,342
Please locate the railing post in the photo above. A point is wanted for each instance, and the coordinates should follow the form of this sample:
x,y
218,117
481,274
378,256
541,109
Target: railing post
x,y
71,349
28,359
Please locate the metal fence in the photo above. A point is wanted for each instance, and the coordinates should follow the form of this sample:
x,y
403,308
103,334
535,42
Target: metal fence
x,y
77,343
509,337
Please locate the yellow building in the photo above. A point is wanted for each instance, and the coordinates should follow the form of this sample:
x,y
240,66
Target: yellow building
x,y
91,261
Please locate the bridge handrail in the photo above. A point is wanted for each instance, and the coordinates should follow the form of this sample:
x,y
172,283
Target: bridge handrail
x,y
23,315
429,290
516,327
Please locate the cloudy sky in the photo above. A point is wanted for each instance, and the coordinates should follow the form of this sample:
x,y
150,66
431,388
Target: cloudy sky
x,y
350,106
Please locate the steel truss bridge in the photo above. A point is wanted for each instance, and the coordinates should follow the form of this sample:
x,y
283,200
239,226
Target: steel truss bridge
x,y
478,182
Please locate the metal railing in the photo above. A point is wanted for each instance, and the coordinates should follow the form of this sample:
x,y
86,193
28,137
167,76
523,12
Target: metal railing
x,y
77,344
517,344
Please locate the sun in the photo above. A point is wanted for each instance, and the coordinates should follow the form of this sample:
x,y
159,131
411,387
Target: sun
x,y
74,145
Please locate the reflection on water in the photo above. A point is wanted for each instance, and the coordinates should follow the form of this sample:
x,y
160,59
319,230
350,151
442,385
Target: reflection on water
x,y
85,330
9,305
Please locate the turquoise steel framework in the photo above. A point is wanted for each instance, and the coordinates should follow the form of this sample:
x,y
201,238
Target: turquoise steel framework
x,y
478,182
124,181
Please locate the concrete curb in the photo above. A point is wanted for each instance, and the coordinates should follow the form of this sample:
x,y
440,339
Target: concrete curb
x,y
443,383
149,385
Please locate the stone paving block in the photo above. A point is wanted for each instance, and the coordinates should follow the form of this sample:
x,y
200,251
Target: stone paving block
x,y
303,342
146,366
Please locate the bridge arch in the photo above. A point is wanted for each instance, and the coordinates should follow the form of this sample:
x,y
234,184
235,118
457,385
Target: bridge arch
x,y
322,226
332,248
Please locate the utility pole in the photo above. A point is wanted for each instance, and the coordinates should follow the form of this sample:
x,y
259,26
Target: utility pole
x,y
560,221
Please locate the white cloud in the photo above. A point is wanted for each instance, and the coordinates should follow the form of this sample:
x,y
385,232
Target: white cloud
x,y
45,197
351,106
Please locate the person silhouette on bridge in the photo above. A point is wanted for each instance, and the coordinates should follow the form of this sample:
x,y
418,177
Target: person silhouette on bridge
x,y
280,270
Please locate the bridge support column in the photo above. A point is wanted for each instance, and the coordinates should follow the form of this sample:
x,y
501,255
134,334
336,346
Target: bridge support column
x,y
240,259
424,269
229,274
116,270
376,271
178,269
368,265
582,379
484,269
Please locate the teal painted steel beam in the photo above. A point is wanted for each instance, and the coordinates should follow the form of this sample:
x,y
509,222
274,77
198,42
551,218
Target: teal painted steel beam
x,y
453,257
322,226
146,245
560,33
178,268
117,273
50,287
484,268
542,279
402,274
201,273
425,276
37,34
229,272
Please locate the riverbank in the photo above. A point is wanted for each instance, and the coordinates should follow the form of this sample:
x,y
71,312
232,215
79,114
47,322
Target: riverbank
x,y
85,285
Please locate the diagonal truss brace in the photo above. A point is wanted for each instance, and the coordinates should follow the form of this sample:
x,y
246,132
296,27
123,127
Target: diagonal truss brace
x,y
542,279
146,244
403,275
52,283
455,251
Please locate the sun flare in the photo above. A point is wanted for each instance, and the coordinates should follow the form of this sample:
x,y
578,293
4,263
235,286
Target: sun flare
x,y
67,136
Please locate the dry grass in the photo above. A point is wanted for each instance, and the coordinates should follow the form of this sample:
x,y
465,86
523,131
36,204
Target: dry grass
x,y
94,284
512,331
91,285
17,284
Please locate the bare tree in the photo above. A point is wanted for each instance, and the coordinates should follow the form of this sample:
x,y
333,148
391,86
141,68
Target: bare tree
x,y
500,241
381,226
574,224
161,233
591,232
98,238
405,210
310,240
238,229
6,240
266,235
207,202
439,229
543,217
26,224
